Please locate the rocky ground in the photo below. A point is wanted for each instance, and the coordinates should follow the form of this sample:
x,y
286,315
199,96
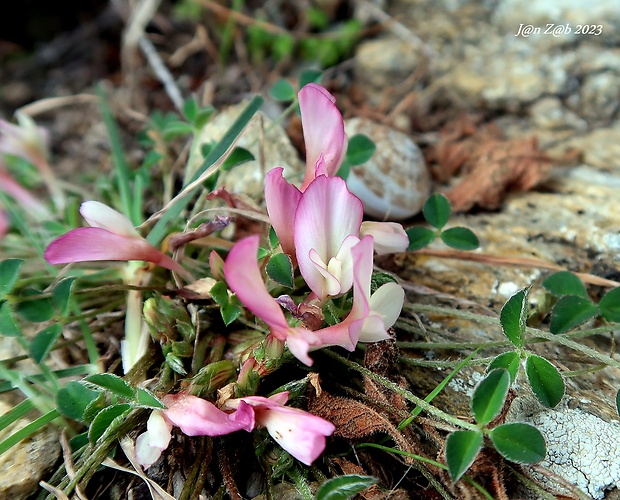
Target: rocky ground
x,y
515,111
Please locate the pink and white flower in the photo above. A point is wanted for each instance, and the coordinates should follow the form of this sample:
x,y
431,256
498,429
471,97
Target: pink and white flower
x,y
111,236
151,444
298,432
244,278
371,315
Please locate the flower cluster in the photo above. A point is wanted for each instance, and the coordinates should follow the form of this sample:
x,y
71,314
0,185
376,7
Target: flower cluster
x,y
298,432
320,227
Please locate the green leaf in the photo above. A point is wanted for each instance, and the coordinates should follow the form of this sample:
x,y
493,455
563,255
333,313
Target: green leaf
x,y
177,129
360,149
9,272
73,399
570,311
280,269
437,210
344,487
610,305
107,420
344,170
237,157
61,295
513,316
461,238
230,312
8,327
43,341
219,293
282,90
509,361
190,108
94,407
309,76
419,237
112,383
490,395
175,363
565,283
545,380
203,116
35,310
519,442
146,399
273,238
462,448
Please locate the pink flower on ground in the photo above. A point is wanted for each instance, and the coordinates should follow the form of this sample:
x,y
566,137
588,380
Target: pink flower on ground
x,y
298,432
20,194
327,225
323,129
371,315
244,279
197,417
151,444
111,236
389,237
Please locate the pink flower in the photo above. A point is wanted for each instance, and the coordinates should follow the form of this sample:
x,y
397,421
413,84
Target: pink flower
x,y
324,136
327,225
298,432
389,237
151,444
371,315
197,417
244,279
110,237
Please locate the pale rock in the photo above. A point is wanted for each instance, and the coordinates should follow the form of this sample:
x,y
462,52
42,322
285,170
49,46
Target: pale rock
x,y
600,148
383,62
549,113
599,96
23,466
582,448
395,182
511,13
265,139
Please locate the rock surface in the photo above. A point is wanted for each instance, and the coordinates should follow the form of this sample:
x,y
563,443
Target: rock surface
x,y
394,183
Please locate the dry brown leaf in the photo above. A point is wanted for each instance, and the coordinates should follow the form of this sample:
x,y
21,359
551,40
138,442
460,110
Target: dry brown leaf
x,y
490,165
355,420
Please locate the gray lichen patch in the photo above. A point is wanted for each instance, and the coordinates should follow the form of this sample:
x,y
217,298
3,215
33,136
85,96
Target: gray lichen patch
x,y
581,447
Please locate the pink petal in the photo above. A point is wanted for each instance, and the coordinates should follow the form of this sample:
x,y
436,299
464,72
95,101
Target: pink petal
x,y
282,199
298,432
94,244
244,278
100,215
323,128
390,237
327,213
198,417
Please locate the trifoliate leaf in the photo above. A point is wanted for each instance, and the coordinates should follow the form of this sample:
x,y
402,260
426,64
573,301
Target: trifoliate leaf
x,y
519,442
513,317
570,311
545,380
437,210
489,396
462,448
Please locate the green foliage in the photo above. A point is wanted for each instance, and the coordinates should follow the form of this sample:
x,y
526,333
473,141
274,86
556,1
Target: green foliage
x,y
344,487
461,238
519,442
490,395
360,149
565,283
509,361
571,311
609,305
513,317
9,272
107,420
280,269
42,342
545,380
282,90
113,383
73,399
8,327
436,211
37,306
462,448
419,237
